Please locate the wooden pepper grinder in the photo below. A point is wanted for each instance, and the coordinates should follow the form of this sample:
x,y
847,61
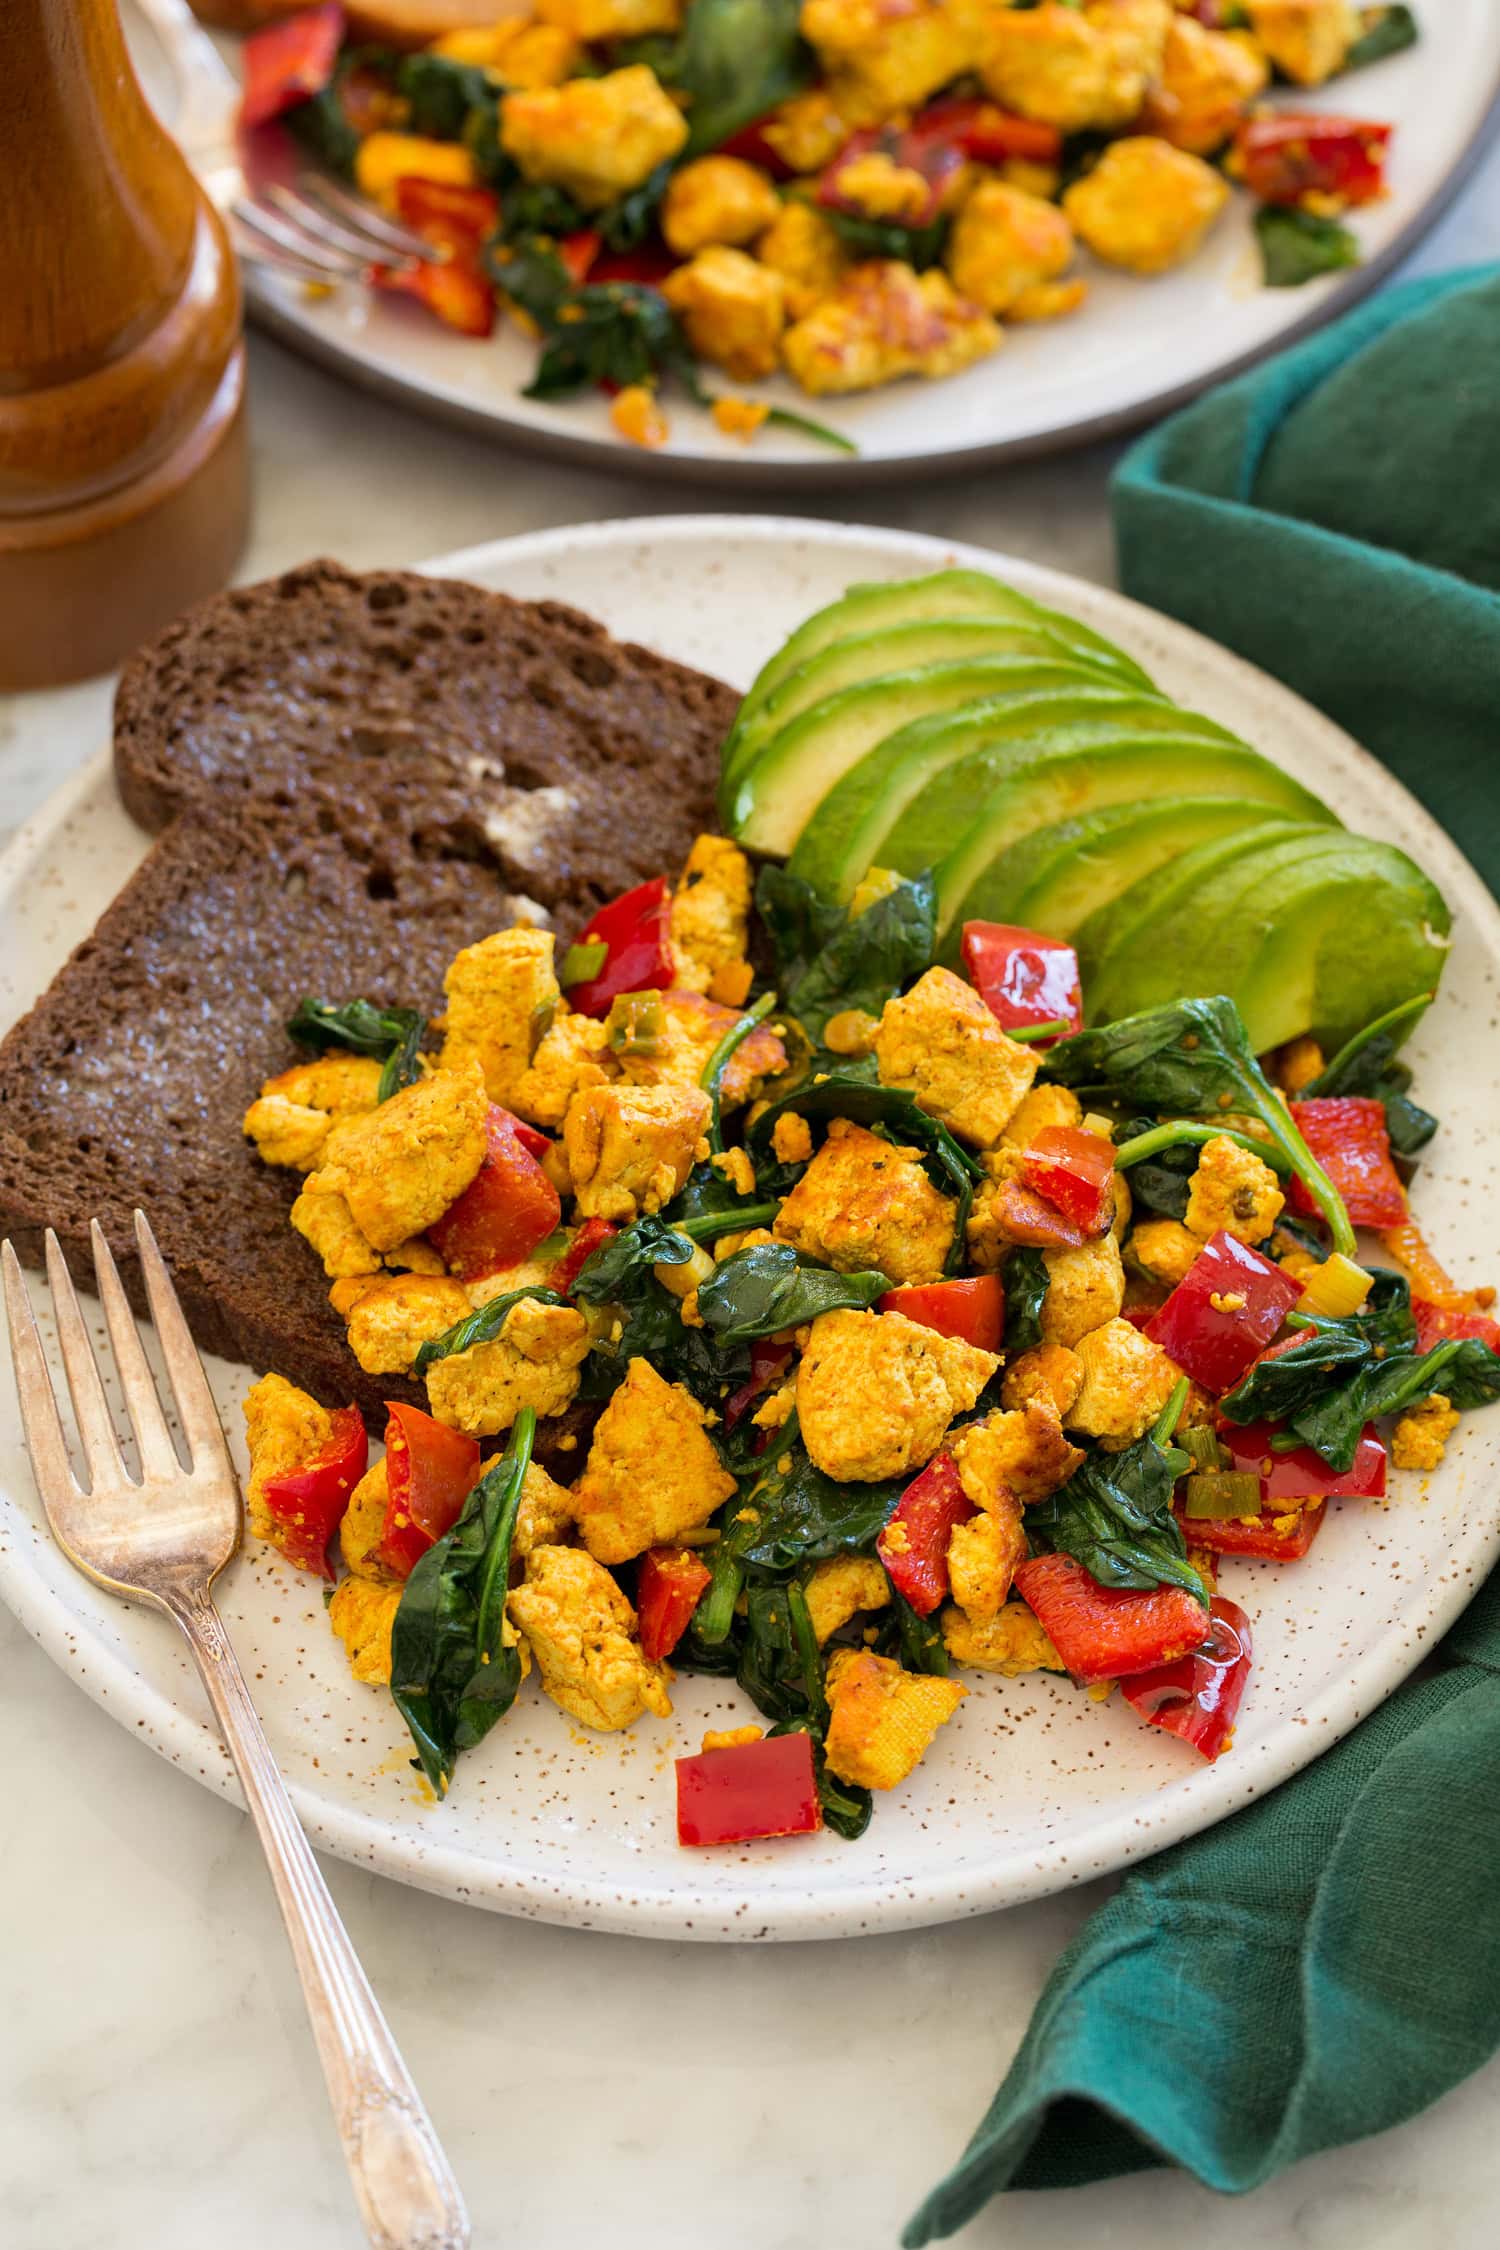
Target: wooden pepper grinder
x,y
123,460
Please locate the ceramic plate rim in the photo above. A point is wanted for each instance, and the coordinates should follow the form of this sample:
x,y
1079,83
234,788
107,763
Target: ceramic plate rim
x,y
894,1902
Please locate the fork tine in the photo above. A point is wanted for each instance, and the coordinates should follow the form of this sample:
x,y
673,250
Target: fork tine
x,y
158,1454
325,228
96,1425
339,204
251,250
40,1419
195,1401
339,265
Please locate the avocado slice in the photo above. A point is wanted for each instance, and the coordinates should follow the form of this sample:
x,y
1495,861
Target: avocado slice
x,y
872,607
1113,933
976,880
1058,876
861,822
776,794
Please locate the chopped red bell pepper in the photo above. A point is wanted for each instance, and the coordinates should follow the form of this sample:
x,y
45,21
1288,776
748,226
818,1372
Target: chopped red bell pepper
x,y
1075,1171
1301,1474
647,267
1223,1313
1023,1216
450,217
1435,1324
591,1236
306,1504
1107,1632
506,1210
430,1471
578,253
289,62
457,292
1348,1136
981,130
973,1311
750,145
635,930
1199,1696
1023,977
671,1583
1292,154
751,1789
1281,1534
768,1363
914,1543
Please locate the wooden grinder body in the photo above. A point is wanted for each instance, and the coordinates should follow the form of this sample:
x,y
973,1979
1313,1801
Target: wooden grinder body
x,y
123,460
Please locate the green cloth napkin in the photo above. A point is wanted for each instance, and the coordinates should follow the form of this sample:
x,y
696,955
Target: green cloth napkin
x,y
1327,1962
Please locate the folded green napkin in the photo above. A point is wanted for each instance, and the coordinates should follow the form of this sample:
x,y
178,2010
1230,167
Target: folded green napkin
x,y
1327,1962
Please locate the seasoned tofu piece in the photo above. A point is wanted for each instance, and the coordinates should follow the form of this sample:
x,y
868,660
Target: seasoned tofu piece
x,y
652,1472
520,52
362,1615
610,19
291,1120
1085,1288
1206,84
1307,40
1008,251
502,996
399,1167
791,1139
1021,1451
717,199
582,1632
573,1053
283,1428
883,57
808,131
982,1558
865,1204
940,1044
1043,1110
803,247
1049,1374
885,321
1146,206
876,1393
363,1527
1421,1435
630,1148
882,1719
1011,1643
875,186
710,915
690,1027
382,158
1234,1191
596,137
840,1588
534,1361
394,1319
734,1166
1080,69
545,1517
1127,1380
732,309
321,1215
1164,1250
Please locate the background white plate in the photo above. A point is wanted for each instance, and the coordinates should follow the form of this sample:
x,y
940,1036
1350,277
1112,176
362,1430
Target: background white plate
x,y
1032,1786
1137,348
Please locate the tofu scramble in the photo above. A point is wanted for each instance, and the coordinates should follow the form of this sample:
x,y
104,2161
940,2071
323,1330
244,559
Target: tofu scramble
x,y
877,1325
846,192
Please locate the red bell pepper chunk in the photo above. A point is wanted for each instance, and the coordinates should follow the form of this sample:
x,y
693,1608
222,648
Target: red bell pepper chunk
x,y
306,1504
1023,977
578,252
591,1236
768,1363
647,267
973,1311
1301,1474
1026,1217
457,292
451,217
506,1210
1199,1696
1075,1171
671,1583
430,1471
1223,1313
1275,1535
1435,1323
750,145
289,62
914,1543
981,130
752,1789
1108,1632
635,930
1348,1136
1284,157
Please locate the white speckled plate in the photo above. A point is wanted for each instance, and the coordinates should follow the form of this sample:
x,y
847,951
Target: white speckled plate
x,y
1033,1786
1136,350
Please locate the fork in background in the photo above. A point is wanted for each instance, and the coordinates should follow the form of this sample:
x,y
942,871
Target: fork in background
x,y
162,1539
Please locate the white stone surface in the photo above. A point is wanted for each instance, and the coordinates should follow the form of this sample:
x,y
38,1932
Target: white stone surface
x,y
158,2090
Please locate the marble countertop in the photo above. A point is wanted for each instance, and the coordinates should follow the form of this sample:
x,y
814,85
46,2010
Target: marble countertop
x,y
158,2087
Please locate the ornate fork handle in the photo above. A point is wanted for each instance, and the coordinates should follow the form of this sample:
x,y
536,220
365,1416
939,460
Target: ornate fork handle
x,y
407,2195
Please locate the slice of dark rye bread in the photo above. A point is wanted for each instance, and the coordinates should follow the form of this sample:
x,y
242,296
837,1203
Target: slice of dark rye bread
x,y
348,771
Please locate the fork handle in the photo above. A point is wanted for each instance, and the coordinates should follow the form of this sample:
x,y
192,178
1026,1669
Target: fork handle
x,y
406,2192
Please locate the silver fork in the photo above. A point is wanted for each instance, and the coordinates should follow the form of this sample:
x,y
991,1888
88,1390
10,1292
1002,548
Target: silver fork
x,y
163,1540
